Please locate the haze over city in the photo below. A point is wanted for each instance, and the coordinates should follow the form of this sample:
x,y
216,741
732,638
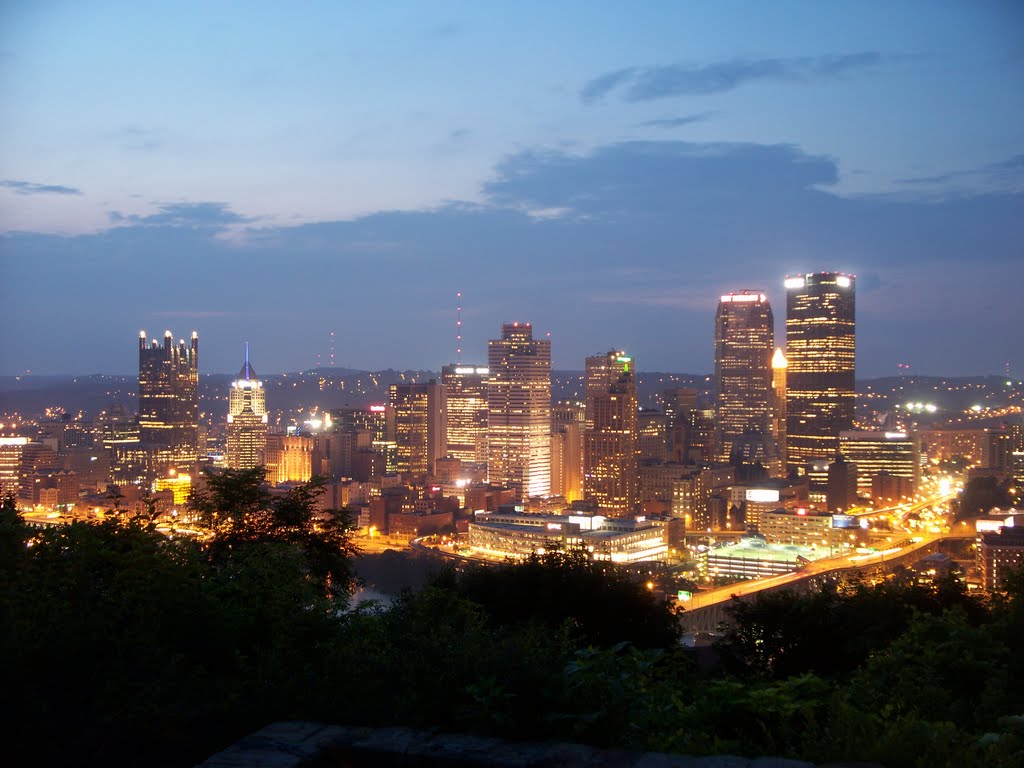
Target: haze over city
x,y
253,172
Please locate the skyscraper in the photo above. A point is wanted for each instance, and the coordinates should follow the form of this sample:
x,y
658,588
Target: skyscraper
x,y
744,340
169,402
465,388
247,419
419,412
609,443
779,366
519,410
820,348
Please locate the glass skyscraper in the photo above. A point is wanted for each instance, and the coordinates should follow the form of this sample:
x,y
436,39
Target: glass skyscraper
x,y
820,355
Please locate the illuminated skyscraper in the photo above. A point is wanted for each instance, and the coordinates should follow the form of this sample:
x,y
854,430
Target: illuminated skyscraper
x,y
820,347
779,367
419,411
744,340
247,419
519,410
465,388
169,402
609,443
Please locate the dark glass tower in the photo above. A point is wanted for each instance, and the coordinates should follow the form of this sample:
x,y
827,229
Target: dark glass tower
x,y
744,342
820,351
169,401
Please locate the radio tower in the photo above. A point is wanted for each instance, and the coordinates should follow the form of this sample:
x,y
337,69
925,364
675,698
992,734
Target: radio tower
x,y
458,328
332,349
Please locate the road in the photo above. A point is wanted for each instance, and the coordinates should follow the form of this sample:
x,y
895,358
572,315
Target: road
x,y
838,563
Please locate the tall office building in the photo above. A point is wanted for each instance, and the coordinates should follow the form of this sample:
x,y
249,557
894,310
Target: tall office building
x,y
169,402
419,412
247,419
610,441
820,347
519,410
744,340
779,367
465,388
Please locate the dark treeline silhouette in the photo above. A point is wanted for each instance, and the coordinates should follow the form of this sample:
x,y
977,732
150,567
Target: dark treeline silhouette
x,y
123,647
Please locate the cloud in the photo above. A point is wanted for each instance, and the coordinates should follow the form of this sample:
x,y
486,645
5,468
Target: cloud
x,y
1003,175
650,83
678,122
205,215
31,188
662,176
627,244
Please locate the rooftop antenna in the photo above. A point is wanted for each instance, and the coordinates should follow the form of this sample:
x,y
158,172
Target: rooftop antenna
x,y
332,349
458,327
247,359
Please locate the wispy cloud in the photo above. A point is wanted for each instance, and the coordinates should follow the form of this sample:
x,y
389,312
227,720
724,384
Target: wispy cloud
x,y
31,188
677,122
1004,175
187,215
650,83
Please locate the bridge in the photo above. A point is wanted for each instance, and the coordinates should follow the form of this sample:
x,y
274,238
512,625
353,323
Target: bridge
x,y
705,611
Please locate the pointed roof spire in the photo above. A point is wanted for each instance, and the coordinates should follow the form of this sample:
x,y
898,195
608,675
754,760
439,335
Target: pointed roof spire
x,y
247,372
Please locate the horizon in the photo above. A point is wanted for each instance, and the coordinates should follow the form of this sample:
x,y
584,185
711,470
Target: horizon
x,y
276,177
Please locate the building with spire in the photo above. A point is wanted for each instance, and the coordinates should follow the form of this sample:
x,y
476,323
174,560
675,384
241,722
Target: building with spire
x,y
744,340
247,419
519,411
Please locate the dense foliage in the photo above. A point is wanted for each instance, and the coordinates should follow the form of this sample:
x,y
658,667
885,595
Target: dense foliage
x,y
124,647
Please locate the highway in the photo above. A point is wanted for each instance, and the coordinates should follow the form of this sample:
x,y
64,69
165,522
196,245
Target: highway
x,y
849,561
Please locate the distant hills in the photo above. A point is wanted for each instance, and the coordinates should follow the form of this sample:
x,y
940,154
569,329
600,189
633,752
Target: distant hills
x,y
295,394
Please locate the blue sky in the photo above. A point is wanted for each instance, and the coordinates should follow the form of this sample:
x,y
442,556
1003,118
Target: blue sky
x,y
275,172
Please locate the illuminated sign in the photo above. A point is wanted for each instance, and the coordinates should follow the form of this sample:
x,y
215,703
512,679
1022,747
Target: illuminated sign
x,y
470,369
377,408
844,521
843,281
762,495
743,297
794,282
554,526
683,596
895,435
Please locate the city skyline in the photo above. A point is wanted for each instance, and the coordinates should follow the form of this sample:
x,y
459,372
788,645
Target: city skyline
x,y
608,177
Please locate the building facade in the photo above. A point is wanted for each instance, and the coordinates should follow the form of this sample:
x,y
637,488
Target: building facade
x,y
247,419
744,340
820,351
420,417
169,402
465,388
610,441
519,411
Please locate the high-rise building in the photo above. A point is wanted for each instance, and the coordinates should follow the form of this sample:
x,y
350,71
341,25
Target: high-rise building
x,y
247,419
820,347
169,402
610,441
519,410
779,366
744,340
567,420
465,388
419,411
289,459
881,453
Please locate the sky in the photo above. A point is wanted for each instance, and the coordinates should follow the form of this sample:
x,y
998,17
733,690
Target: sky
x,y
274,172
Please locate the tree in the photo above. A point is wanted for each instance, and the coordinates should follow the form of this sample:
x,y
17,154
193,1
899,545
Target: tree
x,y
238,509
